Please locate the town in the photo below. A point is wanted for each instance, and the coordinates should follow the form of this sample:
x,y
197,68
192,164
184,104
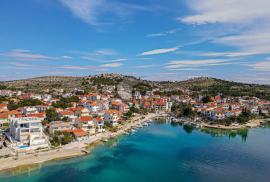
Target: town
x,y
56,117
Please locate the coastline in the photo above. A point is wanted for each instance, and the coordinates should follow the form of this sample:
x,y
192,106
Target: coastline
x,y
67,151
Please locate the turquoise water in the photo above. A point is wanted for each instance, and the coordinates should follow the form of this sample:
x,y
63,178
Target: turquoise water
x,y
162,152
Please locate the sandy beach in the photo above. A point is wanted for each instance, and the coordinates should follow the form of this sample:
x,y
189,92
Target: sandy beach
x,y
69,150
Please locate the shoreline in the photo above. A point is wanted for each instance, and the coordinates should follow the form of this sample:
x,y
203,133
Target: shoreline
x,y
67,151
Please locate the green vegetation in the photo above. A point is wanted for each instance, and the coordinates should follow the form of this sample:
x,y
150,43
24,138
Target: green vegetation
x,y
65,102
27,102
52,115
143,87
206,99
105,81
61,138
169,93
183,109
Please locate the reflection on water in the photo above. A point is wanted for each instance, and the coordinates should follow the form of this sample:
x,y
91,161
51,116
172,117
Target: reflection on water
x,y
161,120
229,133
188,128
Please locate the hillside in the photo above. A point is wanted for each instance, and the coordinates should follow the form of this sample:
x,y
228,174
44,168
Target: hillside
x,y
204,85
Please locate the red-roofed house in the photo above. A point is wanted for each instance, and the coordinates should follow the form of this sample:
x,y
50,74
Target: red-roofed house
x,y
86,123
78,134
99,123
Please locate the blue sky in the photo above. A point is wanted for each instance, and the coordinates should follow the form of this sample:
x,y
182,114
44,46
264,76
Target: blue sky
x,y
151,39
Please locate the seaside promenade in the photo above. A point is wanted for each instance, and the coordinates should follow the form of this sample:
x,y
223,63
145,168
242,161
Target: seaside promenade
x,y
69,150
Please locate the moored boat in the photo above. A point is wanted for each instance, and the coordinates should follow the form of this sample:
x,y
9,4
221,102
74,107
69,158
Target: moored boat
x,y
105,140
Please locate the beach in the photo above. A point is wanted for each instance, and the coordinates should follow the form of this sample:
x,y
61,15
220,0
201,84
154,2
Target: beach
x,y
69,150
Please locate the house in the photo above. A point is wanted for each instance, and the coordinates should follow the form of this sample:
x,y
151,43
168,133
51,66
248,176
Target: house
x,y
78,134
94,96
69,114
58,125
41,108
137,95
3,119
13,114
47,97
86,123
103,105
123,108
59,90
92,107
3,106
264,111
111,117
252,110
81,111
45,90
73,90
28,132
217,115
41,116
30,110
160,106
99,123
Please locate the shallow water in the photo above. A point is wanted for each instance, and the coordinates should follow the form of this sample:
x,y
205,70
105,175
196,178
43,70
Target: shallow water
x,y
162,152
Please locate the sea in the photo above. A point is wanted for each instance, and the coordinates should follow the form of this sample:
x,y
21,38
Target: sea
x,y
161,152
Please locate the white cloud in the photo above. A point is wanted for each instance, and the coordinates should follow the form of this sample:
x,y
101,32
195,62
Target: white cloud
x,y
247,21
26,56
230,54
56,73
188,69
111,65
195,63
145,66
117,60
21,50
159,51
101,12
66,57
260,66
227,11
164,33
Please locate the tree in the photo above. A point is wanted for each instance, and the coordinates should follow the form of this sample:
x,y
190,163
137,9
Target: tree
x,y
206,99
51,114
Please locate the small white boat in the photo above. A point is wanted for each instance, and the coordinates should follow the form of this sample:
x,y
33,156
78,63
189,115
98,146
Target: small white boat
x,y
139,126
197,126
105,140
150,121
145,124
126,133
133,131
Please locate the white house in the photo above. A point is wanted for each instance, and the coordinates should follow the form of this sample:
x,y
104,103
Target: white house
x,y
92,107
27,131
111,117
30,110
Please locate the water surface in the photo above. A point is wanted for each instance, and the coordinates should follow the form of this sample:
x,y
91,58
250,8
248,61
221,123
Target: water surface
x,y
162,152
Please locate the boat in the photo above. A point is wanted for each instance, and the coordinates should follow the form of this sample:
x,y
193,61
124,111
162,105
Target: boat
x,y
133,131
112,137
139,126
126,133
105,140
150,121
145,124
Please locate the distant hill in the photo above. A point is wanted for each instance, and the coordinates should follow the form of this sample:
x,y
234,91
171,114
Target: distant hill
x,y
205,85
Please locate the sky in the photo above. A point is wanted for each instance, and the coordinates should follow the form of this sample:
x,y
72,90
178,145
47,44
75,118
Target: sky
x,y
151,39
